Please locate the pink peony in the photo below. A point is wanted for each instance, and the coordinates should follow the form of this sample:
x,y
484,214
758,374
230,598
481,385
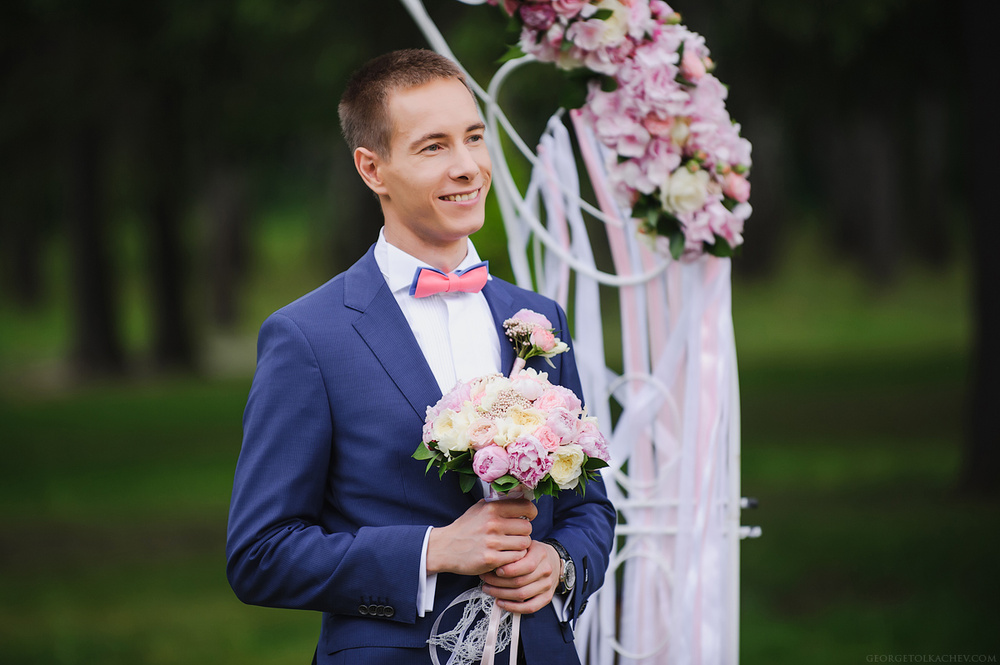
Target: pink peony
x,y
568,8
538,17
529,461
543,339
592,441
532,318
736,187
563,424
490,463
558,397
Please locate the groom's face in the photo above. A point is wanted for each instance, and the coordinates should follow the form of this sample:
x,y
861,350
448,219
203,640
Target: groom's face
x,y
438,172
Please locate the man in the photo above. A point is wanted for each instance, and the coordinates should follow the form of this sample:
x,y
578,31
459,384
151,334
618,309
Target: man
x,y
329,511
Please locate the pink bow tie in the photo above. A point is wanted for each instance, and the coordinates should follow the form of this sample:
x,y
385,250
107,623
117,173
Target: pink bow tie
x,y
428,281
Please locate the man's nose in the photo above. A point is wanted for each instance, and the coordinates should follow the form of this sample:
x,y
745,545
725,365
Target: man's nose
x,y
465,165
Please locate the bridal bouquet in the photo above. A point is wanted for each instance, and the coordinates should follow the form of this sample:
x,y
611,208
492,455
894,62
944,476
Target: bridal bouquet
x,y
676,157
517,432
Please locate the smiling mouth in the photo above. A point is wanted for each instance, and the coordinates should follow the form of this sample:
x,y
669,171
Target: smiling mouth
x,y
459,198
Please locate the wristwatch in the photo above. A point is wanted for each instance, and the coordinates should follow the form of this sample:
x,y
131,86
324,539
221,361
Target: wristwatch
x,y
567,578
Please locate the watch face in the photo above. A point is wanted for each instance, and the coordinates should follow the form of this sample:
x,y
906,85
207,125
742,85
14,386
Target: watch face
x,y
570,574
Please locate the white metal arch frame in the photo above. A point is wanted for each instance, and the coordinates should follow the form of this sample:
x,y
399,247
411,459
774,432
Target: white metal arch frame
x,y
671,595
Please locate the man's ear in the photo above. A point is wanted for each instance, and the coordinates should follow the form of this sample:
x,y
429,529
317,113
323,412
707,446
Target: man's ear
x,y
369,166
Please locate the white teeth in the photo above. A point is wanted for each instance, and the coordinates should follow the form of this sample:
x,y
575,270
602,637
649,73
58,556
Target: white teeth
x,y
462,197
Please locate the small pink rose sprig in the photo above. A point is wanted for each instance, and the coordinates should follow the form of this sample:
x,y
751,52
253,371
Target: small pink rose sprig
x,y
532,335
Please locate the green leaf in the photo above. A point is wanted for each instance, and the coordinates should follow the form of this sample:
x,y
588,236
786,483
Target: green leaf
x,y
430,463
667,225
423,452
467,482
677,245
721,248
603,14
513,53
595,463
505,483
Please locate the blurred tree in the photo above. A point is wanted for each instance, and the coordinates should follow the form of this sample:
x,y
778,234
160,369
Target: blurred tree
x,y
981,466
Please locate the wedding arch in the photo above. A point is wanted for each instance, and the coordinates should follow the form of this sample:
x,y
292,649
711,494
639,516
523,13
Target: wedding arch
x,y
669,175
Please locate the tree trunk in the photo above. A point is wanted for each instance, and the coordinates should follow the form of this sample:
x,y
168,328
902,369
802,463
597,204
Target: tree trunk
x,y
97,348
981,463
229,215
173,343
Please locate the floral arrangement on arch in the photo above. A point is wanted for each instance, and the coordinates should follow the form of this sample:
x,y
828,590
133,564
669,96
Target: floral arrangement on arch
x,y
680,163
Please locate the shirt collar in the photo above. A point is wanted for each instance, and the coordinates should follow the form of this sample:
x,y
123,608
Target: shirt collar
x,y
398,267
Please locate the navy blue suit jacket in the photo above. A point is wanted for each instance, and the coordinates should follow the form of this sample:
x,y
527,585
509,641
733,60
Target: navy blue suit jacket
x,y
329,510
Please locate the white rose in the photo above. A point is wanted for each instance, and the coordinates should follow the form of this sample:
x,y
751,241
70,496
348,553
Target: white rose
x,y
616,25
508,432
567,465
451,431
684,191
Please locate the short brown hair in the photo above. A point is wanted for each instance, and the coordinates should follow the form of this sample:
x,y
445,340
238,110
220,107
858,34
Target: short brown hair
x,y
364,109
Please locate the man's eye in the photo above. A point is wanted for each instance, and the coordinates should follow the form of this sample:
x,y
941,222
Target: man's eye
x,y
475,138
434,147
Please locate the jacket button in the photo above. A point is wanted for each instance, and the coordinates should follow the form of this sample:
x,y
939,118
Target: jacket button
x,y
389,611
379,610
363,610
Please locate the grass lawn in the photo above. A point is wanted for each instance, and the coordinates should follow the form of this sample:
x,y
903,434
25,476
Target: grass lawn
x,y
113,499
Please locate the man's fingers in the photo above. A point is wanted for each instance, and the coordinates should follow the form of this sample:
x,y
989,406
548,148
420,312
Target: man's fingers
x,y
512,508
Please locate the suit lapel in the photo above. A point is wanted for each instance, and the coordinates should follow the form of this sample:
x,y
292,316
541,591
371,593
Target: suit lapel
x,y
387,333
502,306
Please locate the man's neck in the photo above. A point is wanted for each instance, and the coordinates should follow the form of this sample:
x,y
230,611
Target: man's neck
x,y
443,257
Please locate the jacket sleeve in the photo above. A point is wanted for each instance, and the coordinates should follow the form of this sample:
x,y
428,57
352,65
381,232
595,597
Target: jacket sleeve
x,y
278,553
585,525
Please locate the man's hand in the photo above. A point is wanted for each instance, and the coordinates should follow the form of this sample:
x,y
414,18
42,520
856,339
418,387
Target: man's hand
x,y
527,585
485,537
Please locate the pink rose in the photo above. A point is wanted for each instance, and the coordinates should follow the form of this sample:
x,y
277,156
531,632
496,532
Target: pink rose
x,y
543,339
692,67
568,8
537,16
592,441
532,318
658,126
736,187
490,463
549,439
563,424
481,433
558,397
529,461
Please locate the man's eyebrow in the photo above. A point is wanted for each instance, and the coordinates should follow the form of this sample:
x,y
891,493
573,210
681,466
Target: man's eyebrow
x,y
434,136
